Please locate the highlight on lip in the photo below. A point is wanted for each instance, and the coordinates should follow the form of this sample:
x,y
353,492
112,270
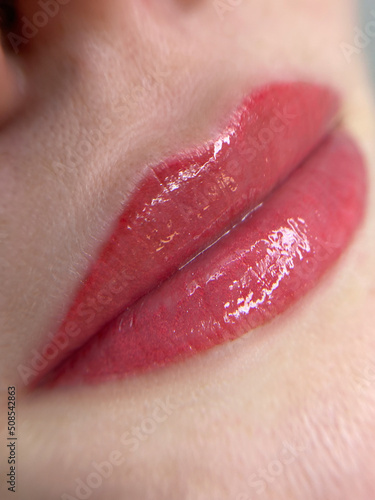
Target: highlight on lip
x,y
169,284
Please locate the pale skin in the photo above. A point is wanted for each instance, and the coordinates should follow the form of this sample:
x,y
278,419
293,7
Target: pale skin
x,y
103,90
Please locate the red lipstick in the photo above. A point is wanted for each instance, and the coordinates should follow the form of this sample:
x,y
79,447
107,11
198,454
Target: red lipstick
x,y
195,261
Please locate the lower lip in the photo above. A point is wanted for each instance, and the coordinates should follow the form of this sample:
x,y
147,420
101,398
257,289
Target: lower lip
x,y
253,273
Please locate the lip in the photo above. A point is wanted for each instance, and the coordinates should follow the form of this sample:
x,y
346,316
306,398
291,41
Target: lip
x,y
216,241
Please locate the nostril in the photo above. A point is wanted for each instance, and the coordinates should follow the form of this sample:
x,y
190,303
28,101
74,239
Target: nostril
x,y
8,16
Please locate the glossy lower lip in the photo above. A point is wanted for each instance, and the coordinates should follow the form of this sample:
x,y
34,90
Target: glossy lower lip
x,y
150,300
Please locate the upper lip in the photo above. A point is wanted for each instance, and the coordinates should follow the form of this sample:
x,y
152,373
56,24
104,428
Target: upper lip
x,y
170,219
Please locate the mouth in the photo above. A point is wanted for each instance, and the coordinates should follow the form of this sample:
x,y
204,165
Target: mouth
x,y
215,241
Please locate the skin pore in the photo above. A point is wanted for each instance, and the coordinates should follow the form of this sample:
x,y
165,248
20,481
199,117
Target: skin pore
x,y
103,90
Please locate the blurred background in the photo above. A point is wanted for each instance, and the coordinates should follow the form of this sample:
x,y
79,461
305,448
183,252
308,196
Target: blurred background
x,y
368,15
